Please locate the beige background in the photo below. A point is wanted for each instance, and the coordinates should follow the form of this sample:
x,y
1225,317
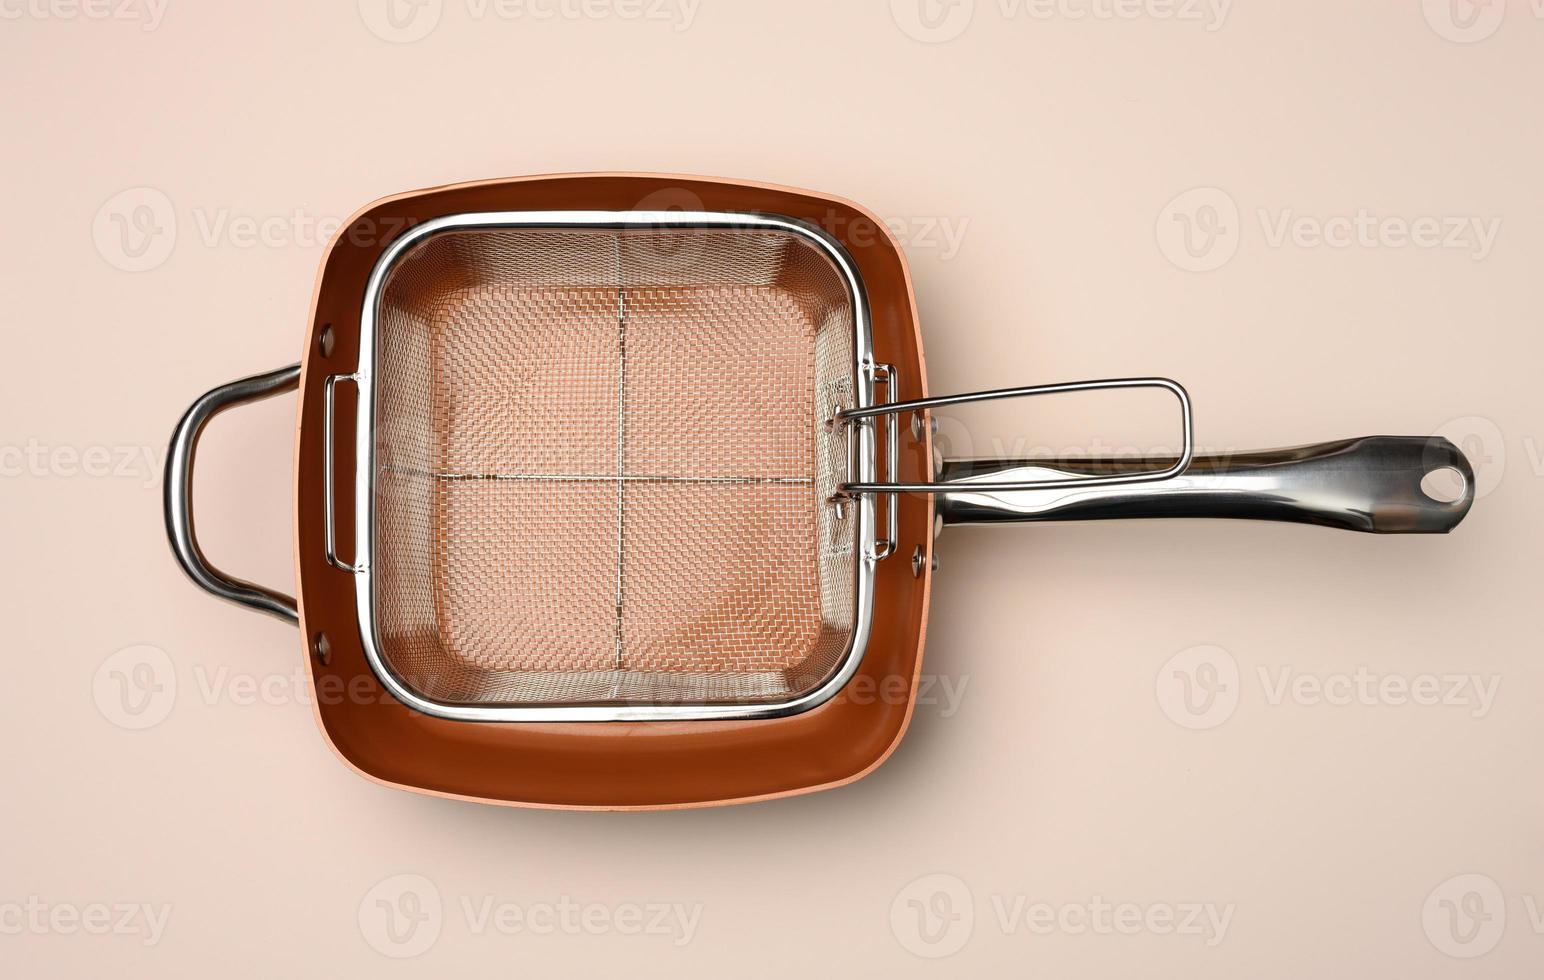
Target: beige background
x,y
201,143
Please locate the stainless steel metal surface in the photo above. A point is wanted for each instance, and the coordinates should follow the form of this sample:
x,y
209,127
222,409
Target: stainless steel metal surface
x,y
178,493
1369,484
1023,481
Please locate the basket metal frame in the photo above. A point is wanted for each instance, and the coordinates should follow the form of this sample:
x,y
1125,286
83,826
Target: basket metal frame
x,y
364,479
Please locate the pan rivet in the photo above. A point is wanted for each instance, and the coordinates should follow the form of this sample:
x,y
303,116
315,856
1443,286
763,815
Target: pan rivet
x,y
322,648
324,342
917,559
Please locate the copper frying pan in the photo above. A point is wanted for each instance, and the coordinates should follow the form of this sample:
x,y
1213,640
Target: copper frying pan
x,y
546,591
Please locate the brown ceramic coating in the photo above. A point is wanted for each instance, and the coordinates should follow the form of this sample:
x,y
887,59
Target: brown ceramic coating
x,y
610,765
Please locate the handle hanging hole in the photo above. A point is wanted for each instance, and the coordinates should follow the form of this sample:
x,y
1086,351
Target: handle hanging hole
x,y
1445,485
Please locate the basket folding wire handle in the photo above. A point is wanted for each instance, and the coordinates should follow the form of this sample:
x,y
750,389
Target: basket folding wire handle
x,y
891,408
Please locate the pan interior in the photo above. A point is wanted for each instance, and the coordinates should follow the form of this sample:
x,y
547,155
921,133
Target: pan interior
x,y
601,470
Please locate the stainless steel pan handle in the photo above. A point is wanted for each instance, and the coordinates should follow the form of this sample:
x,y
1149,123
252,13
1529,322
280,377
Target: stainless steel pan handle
x,y
1370,484
179,493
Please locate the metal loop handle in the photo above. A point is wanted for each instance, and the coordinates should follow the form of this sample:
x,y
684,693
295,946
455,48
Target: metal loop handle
x,y
1178,466
179,493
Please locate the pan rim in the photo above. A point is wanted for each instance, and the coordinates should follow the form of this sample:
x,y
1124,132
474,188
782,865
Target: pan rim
x,y
364,479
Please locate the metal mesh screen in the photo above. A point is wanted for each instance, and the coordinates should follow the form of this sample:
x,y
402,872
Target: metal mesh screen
x,y
601,469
